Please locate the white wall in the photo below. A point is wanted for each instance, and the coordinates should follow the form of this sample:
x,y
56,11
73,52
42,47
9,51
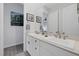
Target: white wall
x,y
1,29
53,21
61,20
70,20
13,35
42,12
36,10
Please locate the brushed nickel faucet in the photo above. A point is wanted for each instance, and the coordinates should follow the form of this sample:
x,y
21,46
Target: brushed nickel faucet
x,y
65,37
58,34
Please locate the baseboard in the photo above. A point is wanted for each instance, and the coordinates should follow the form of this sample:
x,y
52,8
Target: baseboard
x,y
6,46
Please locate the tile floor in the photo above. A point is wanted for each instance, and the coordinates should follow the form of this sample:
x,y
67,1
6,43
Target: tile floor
x,y
15,51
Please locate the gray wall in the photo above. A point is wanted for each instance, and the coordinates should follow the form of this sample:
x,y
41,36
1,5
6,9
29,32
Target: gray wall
x,y
1,29
13,35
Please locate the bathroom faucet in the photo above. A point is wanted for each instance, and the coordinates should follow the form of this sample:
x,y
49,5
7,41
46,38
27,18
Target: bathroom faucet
x,y
65,36
58,34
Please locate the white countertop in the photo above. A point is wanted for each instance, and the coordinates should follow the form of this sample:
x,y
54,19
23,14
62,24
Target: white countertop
x,y
51,40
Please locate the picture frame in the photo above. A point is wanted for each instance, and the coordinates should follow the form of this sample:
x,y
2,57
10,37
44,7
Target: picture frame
x,y
38,19
27,26
29,17
78,19
16,19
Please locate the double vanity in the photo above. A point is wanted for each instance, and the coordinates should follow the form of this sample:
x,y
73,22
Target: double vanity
x,y
61,24
39,45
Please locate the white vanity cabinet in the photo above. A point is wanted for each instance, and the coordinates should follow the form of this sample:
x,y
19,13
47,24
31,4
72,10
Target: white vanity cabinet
x,y
37,47
47,49
32,46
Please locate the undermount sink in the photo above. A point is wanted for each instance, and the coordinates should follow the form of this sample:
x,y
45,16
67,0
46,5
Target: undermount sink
x,y
69,43
66,43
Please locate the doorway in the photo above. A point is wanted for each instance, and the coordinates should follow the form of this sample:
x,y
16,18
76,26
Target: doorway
x,y
13,29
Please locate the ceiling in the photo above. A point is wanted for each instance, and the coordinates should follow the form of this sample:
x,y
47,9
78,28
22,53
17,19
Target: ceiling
x,y
55,6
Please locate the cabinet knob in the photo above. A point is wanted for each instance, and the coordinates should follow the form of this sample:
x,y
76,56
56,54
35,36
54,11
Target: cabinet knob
x,y
28,42
35,48
35,41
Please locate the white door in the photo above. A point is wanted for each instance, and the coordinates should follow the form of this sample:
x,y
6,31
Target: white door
x,y
1,29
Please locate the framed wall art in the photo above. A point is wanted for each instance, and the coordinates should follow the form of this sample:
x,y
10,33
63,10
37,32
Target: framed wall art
x,y
16,19
27,26
29,17
38,19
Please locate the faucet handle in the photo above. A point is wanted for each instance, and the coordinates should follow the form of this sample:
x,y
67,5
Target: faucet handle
x,y
65,37
63,33
57,31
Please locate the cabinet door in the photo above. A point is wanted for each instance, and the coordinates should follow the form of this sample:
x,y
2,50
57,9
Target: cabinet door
x,y
33,46
43,51
47,49
36,47
28,44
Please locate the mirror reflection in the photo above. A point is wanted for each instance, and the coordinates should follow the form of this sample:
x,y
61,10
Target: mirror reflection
x,y
63,19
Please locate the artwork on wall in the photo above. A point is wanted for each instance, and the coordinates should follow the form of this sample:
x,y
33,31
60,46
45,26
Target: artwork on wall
x,y
29,17
16,19
78,19
38,19
27,26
